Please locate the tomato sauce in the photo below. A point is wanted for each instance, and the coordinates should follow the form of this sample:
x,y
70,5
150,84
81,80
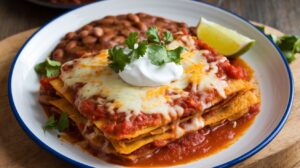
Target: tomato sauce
x,y
197,145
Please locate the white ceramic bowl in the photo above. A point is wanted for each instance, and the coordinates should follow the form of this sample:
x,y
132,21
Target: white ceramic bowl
x,y
272,72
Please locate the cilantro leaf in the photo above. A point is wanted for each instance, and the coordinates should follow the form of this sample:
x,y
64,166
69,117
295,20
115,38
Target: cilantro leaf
x,y
168,37
131,40
118,59
289,45
297,46
287,42
152,35
63,122
289,55
40,68
273,38
260,27
155,49
48,68
61,125
52,71
174,55
50,123
157,54
140,50
53,63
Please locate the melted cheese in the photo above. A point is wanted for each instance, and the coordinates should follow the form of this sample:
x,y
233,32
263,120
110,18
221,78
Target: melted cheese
x,y
197,122
118,96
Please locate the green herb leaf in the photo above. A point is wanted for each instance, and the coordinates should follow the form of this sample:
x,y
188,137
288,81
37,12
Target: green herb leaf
x,y
273,38
152,35
52,71
156,50
261,28
168,37
53,63
157,54
118,59
131,40
287,42
61,125
297,46
289,45
140,51
63,122
174,55
289,55
40,68
50,123
48,68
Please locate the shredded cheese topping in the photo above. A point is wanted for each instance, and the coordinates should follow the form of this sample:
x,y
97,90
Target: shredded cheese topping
x,y
118,96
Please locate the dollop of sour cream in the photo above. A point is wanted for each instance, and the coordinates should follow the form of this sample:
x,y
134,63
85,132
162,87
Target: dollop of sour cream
x,y
142,72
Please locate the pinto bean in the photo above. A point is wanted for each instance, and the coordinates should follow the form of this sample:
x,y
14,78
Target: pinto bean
x,y
58,54
119,39
62,43
71,45
107,22
98,31
71,35
84,33
133,17
88,27
141,26
89,40
142,15
125,23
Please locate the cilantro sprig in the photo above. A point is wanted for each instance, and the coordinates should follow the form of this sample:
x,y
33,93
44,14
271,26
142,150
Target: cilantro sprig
x,y
48,68
154,47
61,124
288,44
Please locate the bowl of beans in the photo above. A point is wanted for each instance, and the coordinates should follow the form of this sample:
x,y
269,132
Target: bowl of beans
x,y
62,4
109,31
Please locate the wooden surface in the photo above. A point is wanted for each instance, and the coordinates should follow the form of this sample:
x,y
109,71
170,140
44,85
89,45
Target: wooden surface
x,y
19,15
18,150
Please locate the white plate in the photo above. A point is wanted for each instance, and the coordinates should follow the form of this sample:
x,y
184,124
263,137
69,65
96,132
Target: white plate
x,y
272,72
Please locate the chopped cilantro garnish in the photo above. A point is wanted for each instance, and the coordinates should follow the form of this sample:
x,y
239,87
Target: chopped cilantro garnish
x,y
63,122
48,68
157,54
153,46
288,44
118,59
168,37
140,50
174,55
131,40
50,123
152,35
61,125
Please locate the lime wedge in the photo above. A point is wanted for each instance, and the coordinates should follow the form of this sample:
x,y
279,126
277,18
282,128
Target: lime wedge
x,y
226,41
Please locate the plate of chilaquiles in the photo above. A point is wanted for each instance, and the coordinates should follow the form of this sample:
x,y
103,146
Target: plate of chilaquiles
x,y
150,84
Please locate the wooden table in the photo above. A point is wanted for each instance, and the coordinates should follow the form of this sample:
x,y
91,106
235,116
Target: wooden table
x,y
18,15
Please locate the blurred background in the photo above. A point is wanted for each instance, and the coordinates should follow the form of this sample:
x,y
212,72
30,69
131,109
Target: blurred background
x,y
21,15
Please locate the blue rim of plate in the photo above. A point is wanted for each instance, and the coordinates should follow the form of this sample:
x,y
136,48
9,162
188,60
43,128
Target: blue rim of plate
x,y
246,155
